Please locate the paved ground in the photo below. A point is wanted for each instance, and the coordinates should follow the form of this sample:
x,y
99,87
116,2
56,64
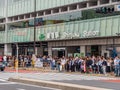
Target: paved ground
x,y
5,85
96,81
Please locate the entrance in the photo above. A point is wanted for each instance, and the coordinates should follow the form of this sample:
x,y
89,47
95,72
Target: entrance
x,y
95,50
59,52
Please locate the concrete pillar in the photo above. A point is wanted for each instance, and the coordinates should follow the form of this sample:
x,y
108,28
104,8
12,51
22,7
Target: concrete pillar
x,y
88,5
7,49
26,51
36,51
50,51
68,8
66,52
110,1
40,50
59,10
55,53
77,6
104,51
88,50
82,50
98,2
51,11
1,51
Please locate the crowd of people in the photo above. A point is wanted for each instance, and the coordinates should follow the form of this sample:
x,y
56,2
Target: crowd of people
x,y
96,65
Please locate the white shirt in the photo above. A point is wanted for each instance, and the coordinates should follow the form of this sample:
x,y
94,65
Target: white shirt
x,y
63,61
4,58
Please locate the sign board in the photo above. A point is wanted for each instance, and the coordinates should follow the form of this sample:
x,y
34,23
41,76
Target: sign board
x,y
117,7
38,63
76,54
90,33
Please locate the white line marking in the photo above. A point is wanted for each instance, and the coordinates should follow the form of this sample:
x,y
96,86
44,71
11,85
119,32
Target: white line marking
x,y
39,86
20,89
6,83
2,80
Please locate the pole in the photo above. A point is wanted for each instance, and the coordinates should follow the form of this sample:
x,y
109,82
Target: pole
x,y
17,60
34,26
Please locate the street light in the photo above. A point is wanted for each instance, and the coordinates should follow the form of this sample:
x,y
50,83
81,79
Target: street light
x,y
17,48
34,25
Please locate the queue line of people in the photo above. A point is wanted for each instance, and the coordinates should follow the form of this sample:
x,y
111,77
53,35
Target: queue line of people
x,y
86,64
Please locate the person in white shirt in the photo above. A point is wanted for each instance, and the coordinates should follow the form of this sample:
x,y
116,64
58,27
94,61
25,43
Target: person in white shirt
x,y
5,60
63,62
117,66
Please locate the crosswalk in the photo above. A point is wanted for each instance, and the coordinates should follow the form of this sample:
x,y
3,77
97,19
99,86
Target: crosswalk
x,y
4,82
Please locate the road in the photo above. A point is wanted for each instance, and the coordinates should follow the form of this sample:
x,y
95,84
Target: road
x,y
95,81
6,85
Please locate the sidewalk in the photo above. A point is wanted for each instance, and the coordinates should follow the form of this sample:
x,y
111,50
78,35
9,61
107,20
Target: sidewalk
x,y
47,69
28,70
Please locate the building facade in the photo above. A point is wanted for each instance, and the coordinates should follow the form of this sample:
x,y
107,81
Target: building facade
x,y
60,27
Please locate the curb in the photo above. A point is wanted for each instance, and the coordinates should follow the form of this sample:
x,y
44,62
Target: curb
x,y
51,84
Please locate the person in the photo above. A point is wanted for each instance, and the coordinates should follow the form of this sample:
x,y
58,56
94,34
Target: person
x,y
53,64
89,63
5,60
59,65
33,60
72,64
117,66
63,62
104,65
100,71
108,65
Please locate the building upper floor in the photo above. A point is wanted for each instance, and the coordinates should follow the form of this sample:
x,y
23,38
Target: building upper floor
x,y
17,10
91,28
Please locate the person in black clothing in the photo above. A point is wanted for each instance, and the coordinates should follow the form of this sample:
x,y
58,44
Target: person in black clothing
x,y
89,65
72,64
104,65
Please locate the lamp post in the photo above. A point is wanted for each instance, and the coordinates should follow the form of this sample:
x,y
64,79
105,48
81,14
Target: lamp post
x,y
34,25
17,48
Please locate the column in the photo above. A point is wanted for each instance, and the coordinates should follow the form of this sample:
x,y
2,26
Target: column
x,y
77,6
82,50
59,10
8,49
88,4
50,51
98,2
36,51
40,50
26,50
110,1
66,52
105,52
88,50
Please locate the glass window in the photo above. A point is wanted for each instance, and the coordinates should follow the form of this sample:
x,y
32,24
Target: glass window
x,y
109,27
97,25
115,25
91,25
103,27
81,28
